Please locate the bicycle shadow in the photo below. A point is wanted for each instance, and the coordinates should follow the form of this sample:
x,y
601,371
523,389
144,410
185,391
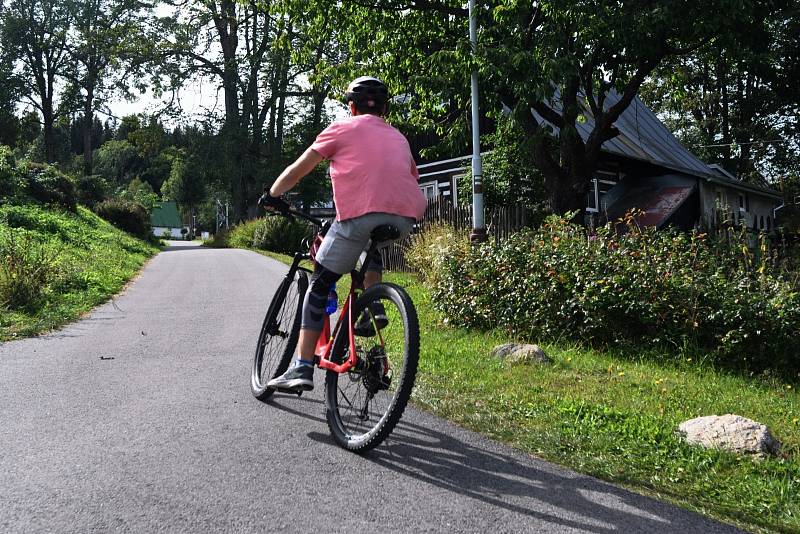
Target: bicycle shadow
x,y
526,486
282,402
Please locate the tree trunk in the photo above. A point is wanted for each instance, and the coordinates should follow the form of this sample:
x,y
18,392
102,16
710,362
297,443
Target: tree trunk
x,y
88,116
48,117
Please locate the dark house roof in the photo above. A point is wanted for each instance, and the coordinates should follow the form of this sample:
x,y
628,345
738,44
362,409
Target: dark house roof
x,y
165,215
642,136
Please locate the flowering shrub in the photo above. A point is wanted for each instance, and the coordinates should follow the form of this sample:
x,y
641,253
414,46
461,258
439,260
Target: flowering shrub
x,y
644,286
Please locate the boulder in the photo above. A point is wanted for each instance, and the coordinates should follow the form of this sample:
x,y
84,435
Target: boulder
x,y
730,432
521,353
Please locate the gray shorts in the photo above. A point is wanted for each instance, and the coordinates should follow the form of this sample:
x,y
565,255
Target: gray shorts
x,y
346,240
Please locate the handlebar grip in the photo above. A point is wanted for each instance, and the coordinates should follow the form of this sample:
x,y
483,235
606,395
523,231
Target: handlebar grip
x,y
278,204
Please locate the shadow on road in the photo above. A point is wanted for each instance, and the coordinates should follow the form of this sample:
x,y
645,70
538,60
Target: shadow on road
x,y
174,246
503,481
282,401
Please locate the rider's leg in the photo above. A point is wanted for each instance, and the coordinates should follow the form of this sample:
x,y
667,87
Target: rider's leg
x,y
314,310
371,278
307,344
301,375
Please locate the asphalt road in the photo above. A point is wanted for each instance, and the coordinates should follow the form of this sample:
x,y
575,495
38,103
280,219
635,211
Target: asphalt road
x,y
139,418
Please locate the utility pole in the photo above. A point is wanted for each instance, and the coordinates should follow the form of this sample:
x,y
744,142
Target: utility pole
x,y
478,233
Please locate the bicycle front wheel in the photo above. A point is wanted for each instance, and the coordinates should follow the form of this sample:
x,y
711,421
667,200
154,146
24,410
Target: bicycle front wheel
x,y
364,405
279,333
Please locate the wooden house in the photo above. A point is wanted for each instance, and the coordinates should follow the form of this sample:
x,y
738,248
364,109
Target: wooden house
x,y
644,167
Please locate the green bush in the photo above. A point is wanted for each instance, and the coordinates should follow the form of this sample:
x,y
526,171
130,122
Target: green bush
x,y
279,234
218,240
48,185
126,215
646,286
11,182
92,190
241,235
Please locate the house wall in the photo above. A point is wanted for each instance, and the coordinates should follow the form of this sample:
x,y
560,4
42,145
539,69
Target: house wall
x,y
160,231
441,178
719,203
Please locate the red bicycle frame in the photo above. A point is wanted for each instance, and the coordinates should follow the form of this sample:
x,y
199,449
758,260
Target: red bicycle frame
x,y
325,342
327,336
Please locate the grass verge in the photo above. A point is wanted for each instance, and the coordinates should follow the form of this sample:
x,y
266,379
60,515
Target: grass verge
x,y
86,261
613,416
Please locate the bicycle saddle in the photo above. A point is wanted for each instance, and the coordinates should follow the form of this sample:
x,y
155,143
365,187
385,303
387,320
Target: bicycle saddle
x,y
385,232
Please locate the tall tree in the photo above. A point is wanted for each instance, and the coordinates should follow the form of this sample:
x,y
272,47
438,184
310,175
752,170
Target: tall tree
x,y
106,36
738,103
36,35
226,41
559,58
186,184
249,48
9,93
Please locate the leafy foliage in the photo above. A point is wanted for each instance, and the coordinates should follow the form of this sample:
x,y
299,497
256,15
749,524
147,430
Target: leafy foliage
x,y
736,103
12,183
510,175
126,215
279,234
241,235
645,286
27,270
560,58
48,185
186,183
92,190
139,192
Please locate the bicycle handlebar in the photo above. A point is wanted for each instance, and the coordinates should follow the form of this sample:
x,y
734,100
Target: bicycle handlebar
x,y
310,218
283,208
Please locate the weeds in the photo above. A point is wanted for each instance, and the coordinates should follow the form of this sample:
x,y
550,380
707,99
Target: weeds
x,y
26,271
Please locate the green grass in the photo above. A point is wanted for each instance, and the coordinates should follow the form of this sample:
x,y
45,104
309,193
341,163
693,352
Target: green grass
x,y
613,415
88,261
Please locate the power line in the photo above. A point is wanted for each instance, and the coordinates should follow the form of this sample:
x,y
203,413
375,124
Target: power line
x,y
742,144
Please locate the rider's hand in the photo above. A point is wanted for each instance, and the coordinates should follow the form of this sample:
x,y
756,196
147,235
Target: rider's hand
x,y
269,202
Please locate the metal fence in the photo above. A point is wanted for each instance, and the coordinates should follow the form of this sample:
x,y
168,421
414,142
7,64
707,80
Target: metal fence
x,y
500,223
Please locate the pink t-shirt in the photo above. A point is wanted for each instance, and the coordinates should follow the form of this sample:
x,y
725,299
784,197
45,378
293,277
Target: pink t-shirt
x,y
372,169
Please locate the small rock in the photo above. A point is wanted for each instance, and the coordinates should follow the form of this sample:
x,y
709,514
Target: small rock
x,y
521,353
732,433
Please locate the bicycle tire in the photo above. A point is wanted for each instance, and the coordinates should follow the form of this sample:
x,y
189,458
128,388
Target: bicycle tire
x,y
279,333
350,407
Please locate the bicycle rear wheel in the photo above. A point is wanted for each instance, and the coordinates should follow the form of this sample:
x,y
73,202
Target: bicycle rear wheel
x,y
279,333
364,405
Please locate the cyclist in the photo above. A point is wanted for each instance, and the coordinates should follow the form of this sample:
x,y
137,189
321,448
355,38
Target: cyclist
x,y
374,180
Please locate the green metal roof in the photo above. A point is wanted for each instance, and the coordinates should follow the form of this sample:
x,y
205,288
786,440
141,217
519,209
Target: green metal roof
x,y
165,214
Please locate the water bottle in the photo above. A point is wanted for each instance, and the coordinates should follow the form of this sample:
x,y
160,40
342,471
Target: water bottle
x,y
333,300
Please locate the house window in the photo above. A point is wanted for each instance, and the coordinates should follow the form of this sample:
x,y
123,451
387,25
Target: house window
x,y
769,222
430,189
744,203
454,187
762,222
600,185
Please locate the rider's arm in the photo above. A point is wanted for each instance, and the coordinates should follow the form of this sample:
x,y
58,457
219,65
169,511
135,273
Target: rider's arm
x,y
295,172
